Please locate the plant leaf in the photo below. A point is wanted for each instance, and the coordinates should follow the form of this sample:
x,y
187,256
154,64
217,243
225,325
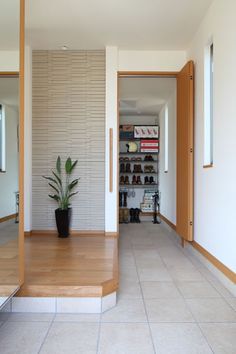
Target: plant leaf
x,y
73,165
58,165
55,197
72,194
57,177
50,179
72,185
68,165
51,185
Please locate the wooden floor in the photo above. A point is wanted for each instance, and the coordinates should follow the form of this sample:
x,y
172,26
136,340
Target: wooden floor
x,y
79,266
9,264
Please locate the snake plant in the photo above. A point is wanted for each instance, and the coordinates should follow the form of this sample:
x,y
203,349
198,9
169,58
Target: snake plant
x,y
61,184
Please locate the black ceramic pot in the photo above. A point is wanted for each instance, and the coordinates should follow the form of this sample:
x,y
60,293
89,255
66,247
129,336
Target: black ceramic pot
x,y
63,222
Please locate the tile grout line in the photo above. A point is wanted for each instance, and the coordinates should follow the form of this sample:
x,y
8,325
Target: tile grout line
x,y
46,335
99,333
144,304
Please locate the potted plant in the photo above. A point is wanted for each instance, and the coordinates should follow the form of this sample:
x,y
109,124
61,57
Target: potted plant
x,y
63,193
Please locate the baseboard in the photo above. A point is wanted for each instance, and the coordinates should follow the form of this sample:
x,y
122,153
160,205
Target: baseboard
x,y
213,260
8,217
112,234
82,233
168,222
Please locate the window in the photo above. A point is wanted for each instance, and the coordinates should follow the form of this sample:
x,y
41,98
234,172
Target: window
x,y
166,127
208,105
2,140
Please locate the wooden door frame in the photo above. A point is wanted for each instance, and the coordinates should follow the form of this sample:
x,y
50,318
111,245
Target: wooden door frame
x,y
20,74
157,74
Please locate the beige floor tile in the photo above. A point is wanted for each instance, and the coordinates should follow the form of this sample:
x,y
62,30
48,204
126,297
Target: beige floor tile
x,y
125,338
158,273
197,290
168,310
22,337
160,290
211,310
179,338
221,337
231,301
129,290
77,317
31,317
126,310
185,274
68,338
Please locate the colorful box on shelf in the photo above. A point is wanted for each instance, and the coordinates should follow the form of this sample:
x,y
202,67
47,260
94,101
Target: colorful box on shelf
x,y
145,207
146,131
149,145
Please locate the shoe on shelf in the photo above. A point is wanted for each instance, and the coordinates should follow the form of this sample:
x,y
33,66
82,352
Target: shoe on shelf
x,y
152,181
122,180
139,169
146,180
126,215
122,168
127,168
126,180
136,215
125,194
120,199
134,181
139,180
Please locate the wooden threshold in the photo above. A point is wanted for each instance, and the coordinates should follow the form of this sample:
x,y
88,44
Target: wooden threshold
x,y
71,267
8,217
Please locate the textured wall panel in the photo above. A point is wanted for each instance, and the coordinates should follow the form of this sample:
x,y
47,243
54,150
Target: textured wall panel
x,y
69,120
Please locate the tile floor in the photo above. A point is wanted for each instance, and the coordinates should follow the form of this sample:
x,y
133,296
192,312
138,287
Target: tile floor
x,y
168,303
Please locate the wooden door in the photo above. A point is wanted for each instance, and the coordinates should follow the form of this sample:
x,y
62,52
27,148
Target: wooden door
x,y
185,105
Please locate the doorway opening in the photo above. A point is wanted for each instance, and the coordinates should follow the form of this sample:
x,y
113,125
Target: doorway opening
x,y
147,149
156,112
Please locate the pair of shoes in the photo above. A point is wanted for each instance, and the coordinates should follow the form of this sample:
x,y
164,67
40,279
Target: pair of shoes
x,y
123,199
148,158
136,159
136,180
125,168
134,215
123,216
149,169
149,180
124,180
137,169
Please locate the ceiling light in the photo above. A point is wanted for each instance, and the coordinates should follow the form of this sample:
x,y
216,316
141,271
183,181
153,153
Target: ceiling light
x,y
64,47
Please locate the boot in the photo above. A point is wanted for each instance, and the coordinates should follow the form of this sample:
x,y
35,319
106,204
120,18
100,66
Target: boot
x,y
121,216
126,179
146,180
139,169
120,199
126,215
136,215
122,168
151,180
131,212
127,168
139,180
135,169
125,199
122,180
134,180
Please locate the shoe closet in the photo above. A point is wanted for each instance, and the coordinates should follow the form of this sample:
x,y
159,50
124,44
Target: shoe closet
x,y
138,160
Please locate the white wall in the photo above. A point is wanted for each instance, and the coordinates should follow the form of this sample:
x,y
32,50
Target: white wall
x,y
168,180
125,60
215,188
9,60
9,179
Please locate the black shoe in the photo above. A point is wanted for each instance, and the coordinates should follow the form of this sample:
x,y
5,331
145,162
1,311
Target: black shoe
x,y
120,199
125,199
131,212
136,215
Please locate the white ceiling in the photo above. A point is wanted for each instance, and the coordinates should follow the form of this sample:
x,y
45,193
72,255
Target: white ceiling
x,y
144,96
9,92
128,24
9,24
